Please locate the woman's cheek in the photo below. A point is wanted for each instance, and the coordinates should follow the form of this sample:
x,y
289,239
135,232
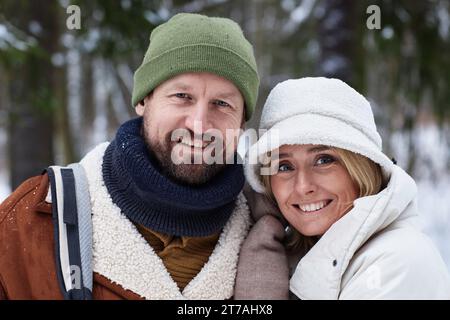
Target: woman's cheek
x,y
281,191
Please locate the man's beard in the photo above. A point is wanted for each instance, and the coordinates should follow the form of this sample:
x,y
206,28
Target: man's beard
x,y
190,174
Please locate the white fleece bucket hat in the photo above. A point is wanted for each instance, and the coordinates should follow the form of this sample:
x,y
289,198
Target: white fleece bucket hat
x,y
319,111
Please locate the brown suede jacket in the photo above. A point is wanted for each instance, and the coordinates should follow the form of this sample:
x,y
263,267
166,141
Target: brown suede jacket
x,y
27,251
27,259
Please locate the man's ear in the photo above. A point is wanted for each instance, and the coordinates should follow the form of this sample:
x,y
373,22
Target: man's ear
x,y
140,107
243,119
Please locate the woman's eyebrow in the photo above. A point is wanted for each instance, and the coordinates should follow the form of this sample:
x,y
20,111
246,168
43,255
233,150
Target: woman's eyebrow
x,y
284,155
318,149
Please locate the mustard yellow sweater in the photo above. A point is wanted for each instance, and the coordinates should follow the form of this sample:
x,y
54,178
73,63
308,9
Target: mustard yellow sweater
x,y
183,257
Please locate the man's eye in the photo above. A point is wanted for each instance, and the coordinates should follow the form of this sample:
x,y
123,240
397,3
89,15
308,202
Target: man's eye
x,y
182,95
221,103
326,159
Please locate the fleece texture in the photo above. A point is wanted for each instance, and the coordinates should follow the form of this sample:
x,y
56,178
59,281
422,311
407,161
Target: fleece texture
x,y
121,254
148,197
316,111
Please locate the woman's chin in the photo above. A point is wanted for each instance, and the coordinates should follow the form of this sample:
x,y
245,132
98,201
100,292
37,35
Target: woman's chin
x,y
312,232
309,229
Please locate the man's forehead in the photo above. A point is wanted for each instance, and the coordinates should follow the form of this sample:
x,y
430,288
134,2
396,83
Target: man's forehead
x,y
192,81
179,84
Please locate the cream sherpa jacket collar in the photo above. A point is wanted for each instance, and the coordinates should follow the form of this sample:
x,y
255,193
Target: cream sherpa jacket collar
x,y
375,251
122,255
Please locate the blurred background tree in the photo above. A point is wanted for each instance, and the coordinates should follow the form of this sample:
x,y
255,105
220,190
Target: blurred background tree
x,y
51,94
63,91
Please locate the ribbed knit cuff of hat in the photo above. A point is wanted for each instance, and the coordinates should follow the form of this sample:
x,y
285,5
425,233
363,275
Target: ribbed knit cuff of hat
x,y
149,198
196,43
198,58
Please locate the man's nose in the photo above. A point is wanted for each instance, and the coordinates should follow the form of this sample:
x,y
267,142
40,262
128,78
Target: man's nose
x,y
199,117
304,183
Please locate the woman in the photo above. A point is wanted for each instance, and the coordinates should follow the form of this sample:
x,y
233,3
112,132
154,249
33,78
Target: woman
x,y
352,213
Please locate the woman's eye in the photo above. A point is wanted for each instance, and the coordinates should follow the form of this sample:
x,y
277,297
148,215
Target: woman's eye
x,y
322,160
221,103
284,167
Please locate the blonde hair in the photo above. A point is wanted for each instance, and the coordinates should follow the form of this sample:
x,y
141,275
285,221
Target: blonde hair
x,y
365,174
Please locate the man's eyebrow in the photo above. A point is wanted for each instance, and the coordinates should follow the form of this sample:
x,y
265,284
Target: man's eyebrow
x,y
179,86
227,95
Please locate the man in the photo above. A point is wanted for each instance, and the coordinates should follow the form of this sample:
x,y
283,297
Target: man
x,y
157,217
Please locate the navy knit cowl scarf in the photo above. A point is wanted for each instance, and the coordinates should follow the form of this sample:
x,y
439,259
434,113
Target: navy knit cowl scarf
x,y
147,197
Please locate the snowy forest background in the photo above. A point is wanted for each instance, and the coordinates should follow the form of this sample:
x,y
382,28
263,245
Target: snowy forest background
x,y
63,91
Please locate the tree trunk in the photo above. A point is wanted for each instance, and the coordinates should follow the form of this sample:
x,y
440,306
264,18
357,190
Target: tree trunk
x,y
337,38
88,107
30,118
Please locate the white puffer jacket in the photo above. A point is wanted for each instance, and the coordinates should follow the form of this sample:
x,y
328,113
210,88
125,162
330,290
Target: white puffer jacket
x,y
376,251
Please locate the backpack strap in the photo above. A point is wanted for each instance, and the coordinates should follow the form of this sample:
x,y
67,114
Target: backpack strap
x,y
72,222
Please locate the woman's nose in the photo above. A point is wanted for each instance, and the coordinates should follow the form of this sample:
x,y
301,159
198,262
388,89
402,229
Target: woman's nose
x,y
304,183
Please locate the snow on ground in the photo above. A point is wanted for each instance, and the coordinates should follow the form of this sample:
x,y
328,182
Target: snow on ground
x,y
5,190
432,176
434,206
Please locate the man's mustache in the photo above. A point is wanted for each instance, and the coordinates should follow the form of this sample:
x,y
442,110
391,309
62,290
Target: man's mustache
x,y
197,140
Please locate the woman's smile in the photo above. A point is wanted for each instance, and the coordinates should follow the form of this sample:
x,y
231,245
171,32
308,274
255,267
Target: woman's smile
x,y
315,207
312,187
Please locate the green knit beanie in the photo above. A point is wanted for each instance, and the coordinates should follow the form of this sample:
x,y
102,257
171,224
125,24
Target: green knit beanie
x,y
196,43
